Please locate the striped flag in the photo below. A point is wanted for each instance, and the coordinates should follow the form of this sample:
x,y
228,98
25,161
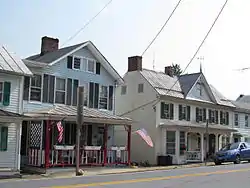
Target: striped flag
x,y
60,131
143,133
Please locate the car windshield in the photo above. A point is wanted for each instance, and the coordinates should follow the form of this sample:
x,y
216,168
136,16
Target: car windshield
x,y
230,146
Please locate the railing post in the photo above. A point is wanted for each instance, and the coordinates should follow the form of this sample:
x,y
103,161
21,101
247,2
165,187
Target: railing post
x,y
129,144
105,152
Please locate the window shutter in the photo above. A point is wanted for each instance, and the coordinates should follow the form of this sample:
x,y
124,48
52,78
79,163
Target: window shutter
x,y
69,91
98,68
96,95
197,114
91,94
180,112
26,88
4,139
209,115
69,62
111,93
216,117
45,88
221,122
227,118
163,116
75,86
204,115
6,93
171,111
188,113
51,88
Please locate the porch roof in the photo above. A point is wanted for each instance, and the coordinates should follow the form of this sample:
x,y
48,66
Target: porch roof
x,y
6,116
69,113
196,125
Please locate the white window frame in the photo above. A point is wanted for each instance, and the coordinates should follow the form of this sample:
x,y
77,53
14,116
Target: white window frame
x,y
100,89
73,66
246,121
87,67
140,88
213,118
236,122
41,88
184,112
123,90
170,142
56,90
199,88
1,92
86,93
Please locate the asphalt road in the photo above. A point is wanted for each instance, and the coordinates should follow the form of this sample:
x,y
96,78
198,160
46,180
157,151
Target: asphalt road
x,y
229,176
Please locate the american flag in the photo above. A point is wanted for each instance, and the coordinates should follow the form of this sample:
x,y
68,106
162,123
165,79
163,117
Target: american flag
x,y
143,133
60,130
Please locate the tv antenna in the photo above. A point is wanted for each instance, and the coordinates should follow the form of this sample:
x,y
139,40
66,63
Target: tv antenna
x,y
154,61
201,59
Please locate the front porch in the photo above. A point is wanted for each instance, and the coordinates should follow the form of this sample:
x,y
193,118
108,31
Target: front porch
x,y
40,146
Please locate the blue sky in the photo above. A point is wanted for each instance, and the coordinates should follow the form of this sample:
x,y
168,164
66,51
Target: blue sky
x,y
126,27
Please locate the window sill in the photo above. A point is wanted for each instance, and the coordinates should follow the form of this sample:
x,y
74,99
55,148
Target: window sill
x,y
34,102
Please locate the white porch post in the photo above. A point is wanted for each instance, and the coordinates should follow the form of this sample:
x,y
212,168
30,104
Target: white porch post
x,y
177,145
216,142
202,147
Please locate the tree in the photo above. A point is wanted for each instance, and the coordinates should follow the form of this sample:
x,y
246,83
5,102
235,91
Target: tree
x,y
176,69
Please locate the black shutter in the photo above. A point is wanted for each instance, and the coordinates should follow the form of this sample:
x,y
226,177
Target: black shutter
x,y
98,68
46,88
197,114
221,122
188,113
216,116
180,112
75,86
69,62
163,116
227,118
171,111
204,115
111,92
96,96
69,91
89,135
210,115
91,94
52,88
26,88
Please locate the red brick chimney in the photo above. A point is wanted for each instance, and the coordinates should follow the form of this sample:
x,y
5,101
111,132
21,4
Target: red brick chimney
x,y
49,44
134,63
169,71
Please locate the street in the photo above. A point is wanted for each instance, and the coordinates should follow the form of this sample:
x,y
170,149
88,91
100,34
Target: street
x,y
229,176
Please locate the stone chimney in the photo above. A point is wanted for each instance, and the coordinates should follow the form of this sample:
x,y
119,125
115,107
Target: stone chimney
x,y
169,71
49,44
134,63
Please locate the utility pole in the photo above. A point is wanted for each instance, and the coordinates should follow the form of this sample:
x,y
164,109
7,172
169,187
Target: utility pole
x,y
80,103
206,143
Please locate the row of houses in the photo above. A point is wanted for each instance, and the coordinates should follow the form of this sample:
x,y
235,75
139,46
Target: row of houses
x,y
39,92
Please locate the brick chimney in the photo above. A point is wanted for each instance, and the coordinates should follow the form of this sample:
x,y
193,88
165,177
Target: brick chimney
x,y
169,71
134,63
49,44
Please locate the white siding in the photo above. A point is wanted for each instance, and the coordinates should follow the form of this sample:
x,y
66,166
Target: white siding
x,y
241,125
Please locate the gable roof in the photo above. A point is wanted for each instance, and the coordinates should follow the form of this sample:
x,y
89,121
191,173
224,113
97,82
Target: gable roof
x,y
54,57
187,81
244,98
220,99
242,106
10,63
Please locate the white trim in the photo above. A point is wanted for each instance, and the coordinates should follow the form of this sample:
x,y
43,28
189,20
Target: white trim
x,y
34,101
100,86
21,87
65,91
73,63
2,91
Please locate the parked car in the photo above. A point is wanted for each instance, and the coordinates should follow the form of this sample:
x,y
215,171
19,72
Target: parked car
x,y
235,152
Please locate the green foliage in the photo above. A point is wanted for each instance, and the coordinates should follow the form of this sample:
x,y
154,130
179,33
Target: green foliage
x,y
176,69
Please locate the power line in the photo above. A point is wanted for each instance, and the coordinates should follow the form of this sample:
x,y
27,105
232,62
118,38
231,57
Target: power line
x,y
85,25
168,90
161,28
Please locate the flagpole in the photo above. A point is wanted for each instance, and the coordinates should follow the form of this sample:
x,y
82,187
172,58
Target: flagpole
x,y
79,122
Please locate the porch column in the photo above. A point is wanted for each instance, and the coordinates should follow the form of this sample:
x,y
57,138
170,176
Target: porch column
x,y
216,142
202,147
105,144
129,144
47,143
177,145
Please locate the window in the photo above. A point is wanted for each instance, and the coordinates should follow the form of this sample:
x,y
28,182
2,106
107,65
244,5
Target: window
x,y
60,91
213,116
236,120
103,101
86,92
170,143
3,138
224,118
167,110
184,112
182,142
246,121
140,88
91,66
36,88
199,88
77,63
201,114
1,91
123,90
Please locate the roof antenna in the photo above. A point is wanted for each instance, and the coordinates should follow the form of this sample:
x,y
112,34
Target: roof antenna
x,y
201,58
154,61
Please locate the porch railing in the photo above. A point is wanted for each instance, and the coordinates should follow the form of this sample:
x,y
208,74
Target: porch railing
x,y
193,156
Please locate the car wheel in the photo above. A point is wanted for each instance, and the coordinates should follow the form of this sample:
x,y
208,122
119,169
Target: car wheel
x,y
217,163
237,160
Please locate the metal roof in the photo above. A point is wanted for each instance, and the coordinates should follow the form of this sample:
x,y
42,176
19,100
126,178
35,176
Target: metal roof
x,y
9,62
9,114
70,112
187,81
220,99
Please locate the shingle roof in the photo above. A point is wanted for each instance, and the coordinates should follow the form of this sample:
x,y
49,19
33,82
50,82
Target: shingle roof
x,y
244,98
220,99
52,56
187,81
4,113
68,111
9,62
243,106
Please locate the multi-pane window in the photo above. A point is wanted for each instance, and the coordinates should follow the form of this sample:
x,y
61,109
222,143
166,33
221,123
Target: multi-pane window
x,y
3,138
224,118
182,142
77,63
213,116
246,120
36,88
167,110
236,119
103,102
170,143
1,91
91,66
60,91
184,112
123,90
140,88
199,88
200,114
86,92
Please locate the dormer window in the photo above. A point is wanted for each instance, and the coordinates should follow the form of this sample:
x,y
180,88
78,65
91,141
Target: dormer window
x,y
199,88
